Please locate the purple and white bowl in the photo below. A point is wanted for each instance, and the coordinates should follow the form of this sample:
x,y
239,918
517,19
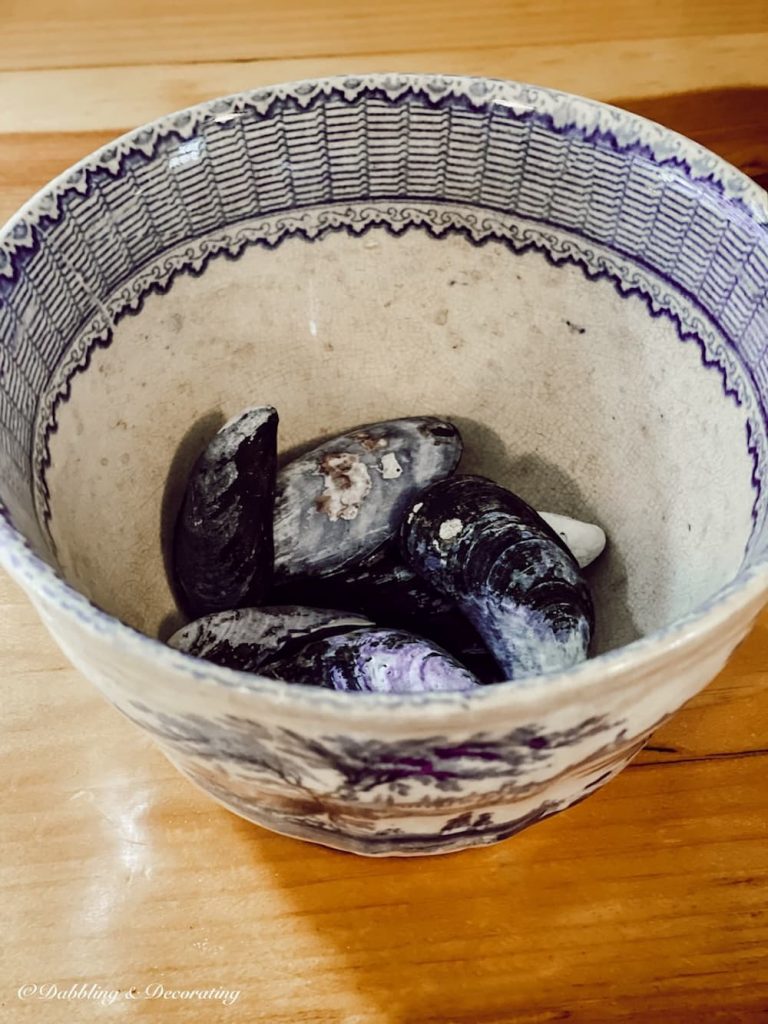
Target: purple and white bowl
x,y
582,291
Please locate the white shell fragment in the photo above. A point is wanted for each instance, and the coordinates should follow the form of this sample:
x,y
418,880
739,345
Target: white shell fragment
x,y
585,541
390,467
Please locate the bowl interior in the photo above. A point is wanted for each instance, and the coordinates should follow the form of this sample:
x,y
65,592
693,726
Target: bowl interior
x,y
582,307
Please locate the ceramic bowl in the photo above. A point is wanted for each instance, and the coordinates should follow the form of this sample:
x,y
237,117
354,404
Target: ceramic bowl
x,y
583,292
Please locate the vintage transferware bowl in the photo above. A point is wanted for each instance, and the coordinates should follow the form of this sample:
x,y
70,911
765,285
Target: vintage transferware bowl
x,y
583,292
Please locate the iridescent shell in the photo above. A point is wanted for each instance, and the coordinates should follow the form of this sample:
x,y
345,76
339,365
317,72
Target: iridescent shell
x,y
373,660
392,595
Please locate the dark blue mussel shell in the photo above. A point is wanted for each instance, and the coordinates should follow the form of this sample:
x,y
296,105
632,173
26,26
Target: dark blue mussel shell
x,y
337,504
507,570
385,590
248,638
223,547
375,661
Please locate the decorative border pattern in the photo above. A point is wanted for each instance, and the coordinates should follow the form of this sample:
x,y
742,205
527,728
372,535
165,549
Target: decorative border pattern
x,y
579,166
368,795
595,123
628,275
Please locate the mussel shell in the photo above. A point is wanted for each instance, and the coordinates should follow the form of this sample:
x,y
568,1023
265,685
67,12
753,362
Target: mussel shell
x,y
376,661
390,594
247,638
341,501
223,550
508,571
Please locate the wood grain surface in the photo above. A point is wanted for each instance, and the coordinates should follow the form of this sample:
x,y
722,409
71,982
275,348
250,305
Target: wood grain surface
x,y
648,902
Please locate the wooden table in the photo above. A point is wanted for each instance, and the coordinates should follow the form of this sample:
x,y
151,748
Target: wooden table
x,y
649,902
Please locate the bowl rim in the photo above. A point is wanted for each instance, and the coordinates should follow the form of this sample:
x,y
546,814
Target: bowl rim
x,y
749,587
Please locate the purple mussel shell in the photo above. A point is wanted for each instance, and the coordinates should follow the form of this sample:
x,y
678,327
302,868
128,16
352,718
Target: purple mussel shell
x,y
385,590
508,571
374,661
223,549
340,502
248,638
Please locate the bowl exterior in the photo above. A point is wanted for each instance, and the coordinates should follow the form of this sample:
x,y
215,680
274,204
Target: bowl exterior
x,y
396,777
